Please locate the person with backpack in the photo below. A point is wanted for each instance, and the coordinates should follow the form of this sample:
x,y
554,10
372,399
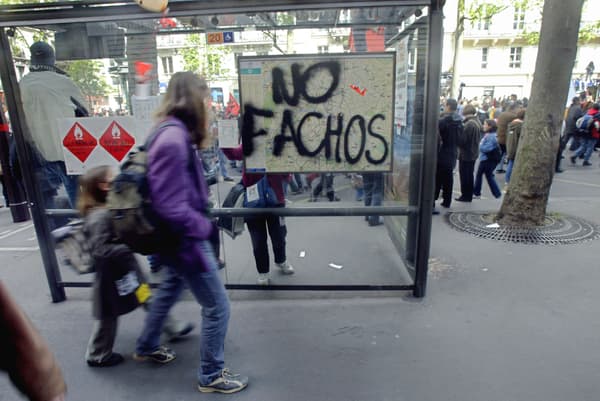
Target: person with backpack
x,y
118,286
179,196
261,225
572,134
489,156
589,125
508,114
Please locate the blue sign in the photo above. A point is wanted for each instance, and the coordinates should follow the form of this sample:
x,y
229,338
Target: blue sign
x,y
228,37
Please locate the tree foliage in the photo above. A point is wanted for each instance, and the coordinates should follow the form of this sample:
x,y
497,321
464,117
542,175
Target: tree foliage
x,y
483,10
214,62
88,77
191,55
588,31
204,59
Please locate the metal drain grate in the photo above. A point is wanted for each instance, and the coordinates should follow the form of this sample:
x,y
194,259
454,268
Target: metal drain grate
x,y
557,229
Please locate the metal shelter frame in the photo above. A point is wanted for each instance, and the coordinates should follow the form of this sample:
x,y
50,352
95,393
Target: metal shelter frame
x,y
427,111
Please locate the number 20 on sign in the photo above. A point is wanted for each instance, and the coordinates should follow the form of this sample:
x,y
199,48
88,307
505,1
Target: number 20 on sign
x,y
214,38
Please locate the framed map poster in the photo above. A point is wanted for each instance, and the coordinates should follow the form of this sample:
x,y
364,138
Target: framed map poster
x,y
313,113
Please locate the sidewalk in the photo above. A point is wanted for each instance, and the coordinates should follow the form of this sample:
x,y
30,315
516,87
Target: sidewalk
x,y
500,322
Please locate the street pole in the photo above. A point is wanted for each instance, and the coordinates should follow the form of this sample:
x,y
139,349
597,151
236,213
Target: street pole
x,y
38,212
16,196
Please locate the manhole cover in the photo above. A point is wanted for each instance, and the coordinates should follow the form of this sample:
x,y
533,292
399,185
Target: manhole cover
x,y
557,229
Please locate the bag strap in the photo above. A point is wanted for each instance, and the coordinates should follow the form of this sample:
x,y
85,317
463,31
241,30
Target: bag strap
x,y
152,137
192,151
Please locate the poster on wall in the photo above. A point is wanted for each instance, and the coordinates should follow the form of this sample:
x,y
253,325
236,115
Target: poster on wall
x,y
401,100
313,113
228,133
143,109
94,141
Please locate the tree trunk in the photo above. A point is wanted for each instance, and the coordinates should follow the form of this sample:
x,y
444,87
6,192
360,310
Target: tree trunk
x,y
524,204
458,45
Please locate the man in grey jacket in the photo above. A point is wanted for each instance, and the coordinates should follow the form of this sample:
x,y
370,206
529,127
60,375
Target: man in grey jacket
x,y
47,93
468,150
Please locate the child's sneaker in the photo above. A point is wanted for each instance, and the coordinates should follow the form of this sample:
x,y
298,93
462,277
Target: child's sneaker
x,y
285,267
112,360
226,383
161,355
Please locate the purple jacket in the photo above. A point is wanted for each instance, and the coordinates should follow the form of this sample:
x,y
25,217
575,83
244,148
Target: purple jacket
x,y
248,179
178,195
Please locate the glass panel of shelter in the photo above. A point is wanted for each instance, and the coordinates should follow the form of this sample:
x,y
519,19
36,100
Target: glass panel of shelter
x,y
369,125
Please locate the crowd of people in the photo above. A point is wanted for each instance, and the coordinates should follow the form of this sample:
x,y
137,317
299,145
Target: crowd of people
x,y
490,133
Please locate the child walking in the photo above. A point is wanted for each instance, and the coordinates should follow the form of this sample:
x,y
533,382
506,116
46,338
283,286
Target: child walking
x,y
487,163
116,287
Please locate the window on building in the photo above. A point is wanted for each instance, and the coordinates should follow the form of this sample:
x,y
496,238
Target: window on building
x,y
167,64
515,57
484,24
323,49
519,18
484,57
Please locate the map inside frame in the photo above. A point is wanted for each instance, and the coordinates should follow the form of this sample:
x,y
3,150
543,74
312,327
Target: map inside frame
x,y
317,113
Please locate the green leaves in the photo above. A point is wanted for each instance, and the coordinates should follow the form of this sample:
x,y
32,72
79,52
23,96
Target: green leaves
x,y
484,10
204,59
88,77
191,56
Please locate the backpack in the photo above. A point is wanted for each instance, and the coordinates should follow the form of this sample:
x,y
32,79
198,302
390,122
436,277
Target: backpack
x,y
233,226
260,195
72,247
134,222
494,155
585,123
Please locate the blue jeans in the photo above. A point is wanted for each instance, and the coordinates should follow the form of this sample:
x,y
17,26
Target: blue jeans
x,y
50,176
207,288
222,163
486,168
360,194
509,169
586,148
53,175
373,192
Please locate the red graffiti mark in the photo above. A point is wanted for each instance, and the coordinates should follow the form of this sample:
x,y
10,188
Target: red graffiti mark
x,y
167,22
358,90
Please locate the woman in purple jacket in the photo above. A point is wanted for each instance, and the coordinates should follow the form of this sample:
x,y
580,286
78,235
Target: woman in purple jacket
x,y
178,192
258,226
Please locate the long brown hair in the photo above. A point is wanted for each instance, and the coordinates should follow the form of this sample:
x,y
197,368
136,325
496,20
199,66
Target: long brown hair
x,y
90,193
185,100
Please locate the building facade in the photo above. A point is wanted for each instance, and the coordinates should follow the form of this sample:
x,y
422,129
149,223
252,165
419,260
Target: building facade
x,y
495,58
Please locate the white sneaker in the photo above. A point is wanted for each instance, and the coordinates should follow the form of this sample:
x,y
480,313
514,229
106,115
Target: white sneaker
x,y
285,267
263,279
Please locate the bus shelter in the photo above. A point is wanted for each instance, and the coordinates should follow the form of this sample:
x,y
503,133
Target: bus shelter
x,y
317,89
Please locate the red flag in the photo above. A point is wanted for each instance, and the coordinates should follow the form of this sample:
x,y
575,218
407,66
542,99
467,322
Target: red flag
x,y
233,107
